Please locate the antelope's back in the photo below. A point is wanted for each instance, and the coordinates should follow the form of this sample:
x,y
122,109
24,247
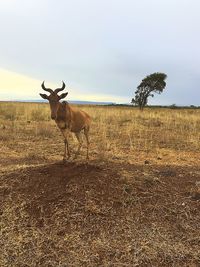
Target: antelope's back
x,y
85,116
80,119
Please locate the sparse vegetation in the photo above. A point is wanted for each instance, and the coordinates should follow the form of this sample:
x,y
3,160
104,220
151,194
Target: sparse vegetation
x,y
136,203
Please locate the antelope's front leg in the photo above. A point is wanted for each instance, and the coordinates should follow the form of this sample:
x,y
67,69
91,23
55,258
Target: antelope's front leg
x,y
66,151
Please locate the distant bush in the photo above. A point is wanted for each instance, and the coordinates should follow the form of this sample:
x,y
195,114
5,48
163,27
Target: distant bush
x,y
173,106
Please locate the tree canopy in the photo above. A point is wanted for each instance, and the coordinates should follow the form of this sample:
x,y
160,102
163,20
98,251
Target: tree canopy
x,y
153,83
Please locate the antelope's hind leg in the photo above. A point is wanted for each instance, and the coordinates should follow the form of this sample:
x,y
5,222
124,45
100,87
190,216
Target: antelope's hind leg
x,y
80,141
86,133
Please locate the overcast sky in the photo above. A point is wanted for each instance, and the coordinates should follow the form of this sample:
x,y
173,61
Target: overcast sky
x,y
102,49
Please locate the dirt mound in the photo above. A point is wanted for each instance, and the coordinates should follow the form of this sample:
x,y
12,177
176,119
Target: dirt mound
x,y
82,214
49,187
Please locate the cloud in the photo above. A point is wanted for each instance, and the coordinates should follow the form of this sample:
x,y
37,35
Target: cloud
x,y
104,48
15,86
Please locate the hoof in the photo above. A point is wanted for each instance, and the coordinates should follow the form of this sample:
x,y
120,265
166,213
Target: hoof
x,y
64,160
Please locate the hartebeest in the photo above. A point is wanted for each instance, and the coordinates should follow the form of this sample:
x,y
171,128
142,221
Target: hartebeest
x,y
68,118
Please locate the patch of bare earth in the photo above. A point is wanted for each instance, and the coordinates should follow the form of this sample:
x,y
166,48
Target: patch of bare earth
x,y
82,214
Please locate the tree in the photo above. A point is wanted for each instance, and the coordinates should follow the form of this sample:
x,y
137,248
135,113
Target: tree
x,y
153,83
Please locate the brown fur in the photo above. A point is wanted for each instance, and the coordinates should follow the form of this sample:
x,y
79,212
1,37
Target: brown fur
x,y
68,119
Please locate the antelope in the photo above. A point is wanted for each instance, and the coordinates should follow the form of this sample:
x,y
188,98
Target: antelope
x,y
68,119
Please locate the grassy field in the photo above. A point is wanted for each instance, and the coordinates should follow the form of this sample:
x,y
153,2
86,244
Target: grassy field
x,y
135,203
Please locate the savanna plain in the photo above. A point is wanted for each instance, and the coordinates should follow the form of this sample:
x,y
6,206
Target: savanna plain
x,y
135,202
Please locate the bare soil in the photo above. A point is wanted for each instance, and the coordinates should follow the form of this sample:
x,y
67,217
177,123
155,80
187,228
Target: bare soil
x,y
92,214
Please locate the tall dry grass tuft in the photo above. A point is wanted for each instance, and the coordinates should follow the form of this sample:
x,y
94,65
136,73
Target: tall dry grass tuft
x,y
44,129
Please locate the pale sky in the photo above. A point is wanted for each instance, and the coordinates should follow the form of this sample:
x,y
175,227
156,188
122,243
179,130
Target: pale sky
x,y
102,49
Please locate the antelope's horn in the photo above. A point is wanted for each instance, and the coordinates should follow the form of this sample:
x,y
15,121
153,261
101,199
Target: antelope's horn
x,y
60,89
46,89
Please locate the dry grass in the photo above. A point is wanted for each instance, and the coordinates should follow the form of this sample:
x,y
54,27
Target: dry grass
x,y
135,204
116,132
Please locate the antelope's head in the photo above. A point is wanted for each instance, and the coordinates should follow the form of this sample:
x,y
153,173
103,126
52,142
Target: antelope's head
x,y
53,98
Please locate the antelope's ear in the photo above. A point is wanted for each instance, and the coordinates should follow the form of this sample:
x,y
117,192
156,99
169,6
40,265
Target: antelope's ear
x,y
63,95
44,96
